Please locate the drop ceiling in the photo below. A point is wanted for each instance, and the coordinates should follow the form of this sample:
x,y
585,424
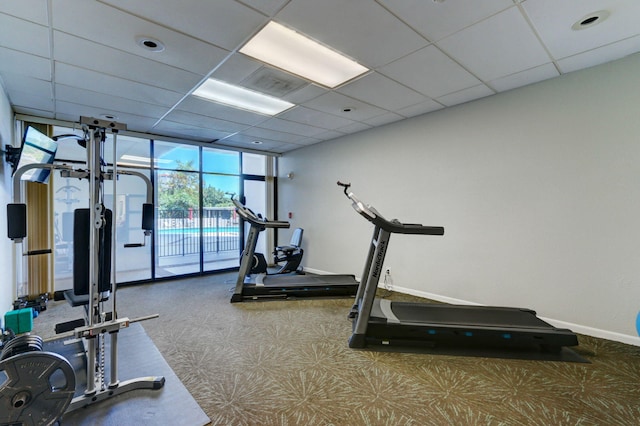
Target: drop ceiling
x,y
62,59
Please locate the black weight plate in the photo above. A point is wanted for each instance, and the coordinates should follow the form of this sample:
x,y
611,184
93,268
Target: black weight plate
x,y
35,388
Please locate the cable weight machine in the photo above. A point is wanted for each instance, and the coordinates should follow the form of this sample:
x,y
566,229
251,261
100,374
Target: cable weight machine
x,y
39,386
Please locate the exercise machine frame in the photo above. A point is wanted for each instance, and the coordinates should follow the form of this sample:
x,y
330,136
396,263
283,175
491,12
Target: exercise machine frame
x,y
380,322
281,286
98,324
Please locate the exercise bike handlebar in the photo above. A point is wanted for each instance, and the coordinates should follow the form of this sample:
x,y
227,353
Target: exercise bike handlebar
x,y
248,215
393,226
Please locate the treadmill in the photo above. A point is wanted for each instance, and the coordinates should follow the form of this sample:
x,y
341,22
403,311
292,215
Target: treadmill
x,y
380,322
281,286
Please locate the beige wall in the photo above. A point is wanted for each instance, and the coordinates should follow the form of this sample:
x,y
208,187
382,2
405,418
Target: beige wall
x,y
538,189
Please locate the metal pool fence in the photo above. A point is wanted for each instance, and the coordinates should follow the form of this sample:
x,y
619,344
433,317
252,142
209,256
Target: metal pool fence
x,y
178,231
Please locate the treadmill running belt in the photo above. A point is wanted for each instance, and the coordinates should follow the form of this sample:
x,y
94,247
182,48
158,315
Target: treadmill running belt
x,y
305,280
466,315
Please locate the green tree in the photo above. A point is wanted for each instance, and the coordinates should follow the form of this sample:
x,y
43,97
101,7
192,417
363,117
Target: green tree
x,y
213,197
178,190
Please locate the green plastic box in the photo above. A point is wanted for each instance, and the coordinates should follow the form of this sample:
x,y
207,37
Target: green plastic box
x,y
20,320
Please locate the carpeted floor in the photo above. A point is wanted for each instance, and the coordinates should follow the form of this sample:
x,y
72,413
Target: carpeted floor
x,y
288,363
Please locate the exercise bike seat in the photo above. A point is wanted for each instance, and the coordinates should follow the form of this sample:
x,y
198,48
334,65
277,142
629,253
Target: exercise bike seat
x,y
294,244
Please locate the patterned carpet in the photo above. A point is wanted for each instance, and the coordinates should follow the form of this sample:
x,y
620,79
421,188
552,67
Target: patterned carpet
x,y
288,363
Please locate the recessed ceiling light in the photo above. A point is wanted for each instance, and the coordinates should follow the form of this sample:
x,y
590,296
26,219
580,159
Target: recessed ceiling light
x,y
297,54
348,109
240,97
590,20
109,117
150,43
257,142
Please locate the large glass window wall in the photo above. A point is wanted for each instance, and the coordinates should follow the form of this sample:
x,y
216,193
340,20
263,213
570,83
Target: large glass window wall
x,y
196,228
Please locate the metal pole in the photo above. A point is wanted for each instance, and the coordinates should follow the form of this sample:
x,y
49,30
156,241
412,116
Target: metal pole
x,y
114,238
113,366
93,152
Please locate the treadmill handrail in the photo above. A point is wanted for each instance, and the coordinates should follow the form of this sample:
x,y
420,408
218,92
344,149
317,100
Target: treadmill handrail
x,y
248,215
393,226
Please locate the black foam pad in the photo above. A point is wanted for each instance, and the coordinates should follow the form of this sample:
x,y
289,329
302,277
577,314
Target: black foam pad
x,y
16,220
81,240
147,217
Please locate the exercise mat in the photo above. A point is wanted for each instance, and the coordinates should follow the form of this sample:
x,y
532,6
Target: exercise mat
x,y
137,357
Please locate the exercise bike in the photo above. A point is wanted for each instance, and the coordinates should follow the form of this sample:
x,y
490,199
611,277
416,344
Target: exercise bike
x,y
290,254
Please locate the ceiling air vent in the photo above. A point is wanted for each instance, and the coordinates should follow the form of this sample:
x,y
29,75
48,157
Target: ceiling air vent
x,y
273,82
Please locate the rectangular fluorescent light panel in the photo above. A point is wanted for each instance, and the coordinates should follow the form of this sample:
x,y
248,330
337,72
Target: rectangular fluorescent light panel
x,y
239,97
293,52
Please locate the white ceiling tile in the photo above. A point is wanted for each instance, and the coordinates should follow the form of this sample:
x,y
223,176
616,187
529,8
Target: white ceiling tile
x,y
109,61
388,94
421,108
29,100
431,72
238,141
287,147
250,141
91,80
305,94
466,95
18,34
387,118
501,45
436,20
268,7
35,112
361,29
26,84
553,21
307,141
31,10
600,55
287,126
236,68
523,78
119,31
334,103
354,128
315,118
212,109
134,122
204,121
16,62
110,104
205,20
182,130
330,134
259,133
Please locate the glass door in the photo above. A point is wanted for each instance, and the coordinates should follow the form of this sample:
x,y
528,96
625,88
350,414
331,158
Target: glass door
x,y
177,203
257,188
255,198
220,224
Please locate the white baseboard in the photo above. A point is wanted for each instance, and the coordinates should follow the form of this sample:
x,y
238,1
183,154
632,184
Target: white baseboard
x,y
576,328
